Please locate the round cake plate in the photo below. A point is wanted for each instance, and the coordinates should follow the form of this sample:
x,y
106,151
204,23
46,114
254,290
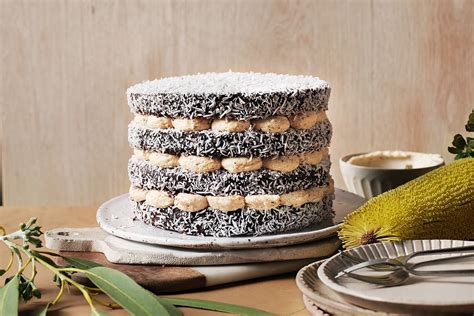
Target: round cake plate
x,y
115,217
419,295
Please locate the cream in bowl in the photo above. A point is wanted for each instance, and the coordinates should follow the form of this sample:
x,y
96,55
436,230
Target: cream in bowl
x,y
370,174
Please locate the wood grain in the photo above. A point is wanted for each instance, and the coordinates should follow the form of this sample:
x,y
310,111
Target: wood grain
x,y
156,278
400,71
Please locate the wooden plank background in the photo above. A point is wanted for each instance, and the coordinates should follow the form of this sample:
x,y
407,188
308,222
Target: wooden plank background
x,y
401,73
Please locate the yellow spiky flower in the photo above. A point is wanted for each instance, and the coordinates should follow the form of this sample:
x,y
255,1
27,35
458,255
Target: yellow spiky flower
x,y
437,205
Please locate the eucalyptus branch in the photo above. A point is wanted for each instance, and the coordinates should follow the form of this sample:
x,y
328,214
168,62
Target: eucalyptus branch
x,y
121,289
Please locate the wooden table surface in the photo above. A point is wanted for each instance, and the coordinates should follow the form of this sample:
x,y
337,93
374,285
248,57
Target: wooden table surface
x,y
277,294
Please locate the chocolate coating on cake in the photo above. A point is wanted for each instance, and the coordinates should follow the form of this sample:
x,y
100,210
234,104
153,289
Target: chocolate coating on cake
x,y
243,222
144,175
240,96
221,144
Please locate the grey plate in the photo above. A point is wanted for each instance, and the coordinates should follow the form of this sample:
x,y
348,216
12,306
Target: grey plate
x,y
321,300
115,217
419,295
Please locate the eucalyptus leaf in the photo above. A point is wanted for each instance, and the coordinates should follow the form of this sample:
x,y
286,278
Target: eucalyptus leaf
x,y
125,291
44,311
172,310
214,306
95,312
44,258
9,295
81,263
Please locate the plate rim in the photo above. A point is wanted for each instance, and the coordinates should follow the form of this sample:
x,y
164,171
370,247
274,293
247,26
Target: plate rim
x,y
310,294
342,290
209,242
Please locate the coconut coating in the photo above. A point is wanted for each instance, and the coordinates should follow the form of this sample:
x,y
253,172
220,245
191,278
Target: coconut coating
x,y
243,222
144,175
240,96
221,144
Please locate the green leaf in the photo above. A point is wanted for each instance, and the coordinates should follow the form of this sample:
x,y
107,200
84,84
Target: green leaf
x,y
214,306
459,142
470,123
9,298
453,150
81,263
125,291
460,156
44,311
44,258
173,311
470,142
95,312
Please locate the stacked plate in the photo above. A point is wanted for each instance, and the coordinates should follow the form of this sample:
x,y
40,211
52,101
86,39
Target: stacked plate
x,y
219,260
324,294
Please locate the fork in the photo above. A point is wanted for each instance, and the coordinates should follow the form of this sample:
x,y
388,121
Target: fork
x,y
394,278
400,267
405,258
401,273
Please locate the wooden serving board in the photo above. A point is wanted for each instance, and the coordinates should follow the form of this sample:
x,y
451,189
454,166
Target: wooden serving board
x,y
164,269
169,279
196,263
118,250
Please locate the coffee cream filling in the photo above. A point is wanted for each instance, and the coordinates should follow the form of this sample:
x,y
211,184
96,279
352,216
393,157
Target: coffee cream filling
x,y
273,124
195,202
235,164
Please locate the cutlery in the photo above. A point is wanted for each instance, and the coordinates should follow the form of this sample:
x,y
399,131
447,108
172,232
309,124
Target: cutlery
x,y
401,268
404,259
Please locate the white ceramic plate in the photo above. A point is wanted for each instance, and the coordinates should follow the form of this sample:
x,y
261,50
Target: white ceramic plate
x,y
312,307
115,217
318,298
426,295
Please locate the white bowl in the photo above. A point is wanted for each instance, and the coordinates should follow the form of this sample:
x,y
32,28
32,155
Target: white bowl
x,y
372,181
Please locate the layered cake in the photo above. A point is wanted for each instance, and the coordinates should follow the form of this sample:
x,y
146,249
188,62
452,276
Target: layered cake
x,y
230,154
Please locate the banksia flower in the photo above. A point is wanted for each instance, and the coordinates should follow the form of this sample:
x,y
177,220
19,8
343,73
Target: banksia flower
x,y
437,205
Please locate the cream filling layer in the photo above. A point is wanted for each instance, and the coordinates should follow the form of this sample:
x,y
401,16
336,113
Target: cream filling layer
x,y
273,124
236,164
196,202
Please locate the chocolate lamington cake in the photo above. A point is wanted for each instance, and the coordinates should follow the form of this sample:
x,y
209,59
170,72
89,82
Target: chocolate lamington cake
x,y
230,154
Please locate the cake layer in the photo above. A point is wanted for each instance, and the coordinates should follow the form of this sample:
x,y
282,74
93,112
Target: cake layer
x,y
193,202
272,124
222,144
236,223
144,175
239,96
234,165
